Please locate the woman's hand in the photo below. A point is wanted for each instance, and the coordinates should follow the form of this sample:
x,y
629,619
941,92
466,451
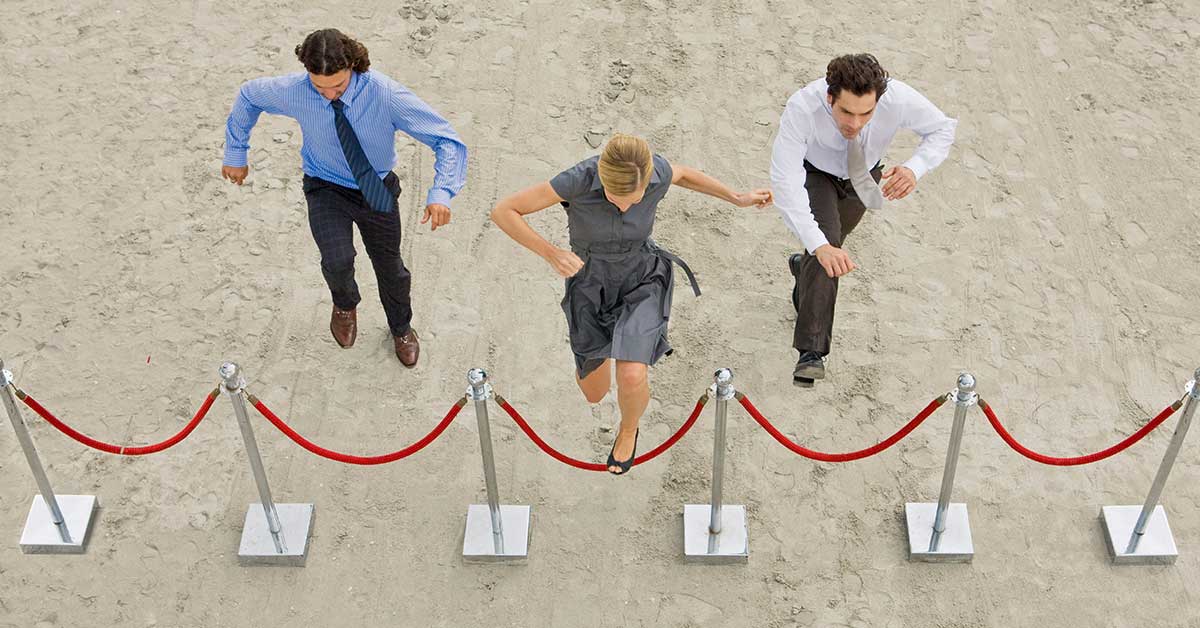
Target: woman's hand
x,y
566,263
759,198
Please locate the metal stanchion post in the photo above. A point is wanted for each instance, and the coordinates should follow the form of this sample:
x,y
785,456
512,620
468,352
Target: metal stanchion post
x,y
51,520
275,534
941,532
1143,531
494,532
716,532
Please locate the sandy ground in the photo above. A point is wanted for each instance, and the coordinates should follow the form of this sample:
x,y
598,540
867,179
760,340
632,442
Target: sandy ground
x,y
1053,255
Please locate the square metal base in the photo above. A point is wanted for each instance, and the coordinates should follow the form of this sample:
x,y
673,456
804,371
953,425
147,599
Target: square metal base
x,y
732,545
954,546
1156,547
41,536
258,547
479,546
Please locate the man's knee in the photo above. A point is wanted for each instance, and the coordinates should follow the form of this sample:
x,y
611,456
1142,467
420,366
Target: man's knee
x,y
338,262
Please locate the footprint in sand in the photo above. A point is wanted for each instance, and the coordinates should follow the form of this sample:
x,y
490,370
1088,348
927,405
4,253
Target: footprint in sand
x,y
619,74
422,40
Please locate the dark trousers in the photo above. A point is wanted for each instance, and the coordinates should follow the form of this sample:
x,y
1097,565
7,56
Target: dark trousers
x,y
332,212
836,207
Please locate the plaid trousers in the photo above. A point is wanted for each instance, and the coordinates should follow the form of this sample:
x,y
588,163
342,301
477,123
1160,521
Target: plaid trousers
x,y
332,212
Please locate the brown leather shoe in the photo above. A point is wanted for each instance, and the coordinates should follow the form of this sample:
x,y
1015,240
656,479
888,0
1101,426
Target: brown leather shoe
x,y
408,348
343,324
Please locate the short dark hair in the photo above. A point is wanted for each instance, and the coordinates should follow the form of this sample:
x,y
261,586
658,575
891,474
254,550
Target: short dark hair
x,y
859,73
329,51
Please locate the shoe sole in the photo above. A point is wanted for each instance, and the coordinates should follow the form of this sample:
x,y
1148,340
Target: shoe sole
x,y
809,372
803,382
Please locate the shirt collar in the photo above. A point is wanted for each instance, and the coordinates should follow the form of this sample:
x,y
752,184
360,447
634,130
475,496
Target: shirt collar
x,y
597,186
347,98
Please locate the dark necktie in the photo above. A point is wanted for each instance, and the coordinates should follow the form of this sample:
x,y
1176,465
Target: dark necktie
x,y
378,196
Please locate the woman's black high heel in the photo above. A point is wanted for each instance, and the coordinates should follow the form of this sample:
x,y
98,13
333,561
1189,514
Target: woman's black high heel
x,y
627,464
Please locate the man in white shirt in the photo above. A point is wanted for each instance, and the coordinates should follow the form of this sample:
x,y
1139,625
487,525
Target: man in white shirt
x,y
830,131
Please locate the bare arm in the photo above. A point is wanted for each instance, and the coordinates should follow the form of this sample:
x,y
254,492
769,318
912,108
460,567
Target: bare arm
x,y
693,179
509,214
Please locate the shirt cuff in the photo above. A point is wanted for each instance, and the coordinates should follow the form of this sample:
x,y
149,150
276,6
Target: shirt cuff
x,y
235,157
438,196
814,241
917,165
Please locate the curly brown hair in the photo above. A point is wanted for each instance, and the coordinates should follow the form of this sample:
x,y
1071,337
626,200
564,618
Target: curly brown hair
x,y
859,73
329,51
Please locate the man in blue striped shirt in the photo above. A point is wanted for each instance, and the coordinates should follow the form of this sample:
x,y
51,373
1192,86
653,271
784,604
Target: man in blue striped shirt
x,y
348,116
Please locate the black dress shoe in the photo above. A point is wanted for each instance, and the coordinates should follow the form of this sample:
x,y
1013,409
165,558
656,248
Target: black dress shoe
x,y
794,266
811,366
794,262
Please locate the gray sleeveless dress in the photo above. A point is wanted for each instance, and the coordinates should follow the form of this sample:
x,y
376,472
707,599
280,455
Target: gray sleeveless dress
x,y
617,306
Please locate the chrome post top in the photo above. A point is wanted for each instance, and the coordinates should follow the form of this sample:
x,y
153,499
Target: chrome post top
x,y
6,376
231,373
1191,389
478,388
723,384
965,393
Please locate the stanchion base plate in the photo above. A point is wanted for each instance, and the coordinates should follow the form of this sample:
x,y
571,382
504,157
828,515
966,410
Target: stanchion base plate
x,y
955,544
479,546
1157,546
732,545
257,546
41,536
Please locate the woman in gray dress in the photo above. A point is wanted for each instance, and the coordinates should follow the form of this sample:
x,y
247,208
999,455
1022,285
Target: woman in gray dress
x,y
618,283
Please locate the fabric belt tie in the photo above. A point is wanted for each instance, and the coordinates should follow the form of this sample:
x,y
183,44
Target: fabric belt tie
x,y
613,250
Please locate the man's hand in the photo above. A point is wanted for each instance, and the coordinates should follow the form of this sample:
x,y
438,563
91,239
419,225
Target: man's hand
x,y
900,181
759,198
835,261
439,213
566,263
235,173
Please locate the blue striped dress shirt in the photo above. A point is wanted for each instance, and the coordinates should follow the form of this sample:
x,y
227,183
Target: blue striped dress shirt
x,y
376,106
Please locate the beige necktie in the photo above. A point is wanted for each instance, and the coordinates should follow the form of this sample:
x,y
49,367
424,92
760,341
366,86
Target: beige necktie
x,y
860,177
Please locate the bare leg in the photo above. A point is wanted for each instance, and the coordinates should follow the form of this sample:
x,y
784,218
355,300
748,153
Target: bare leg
x,y
633,395
596,385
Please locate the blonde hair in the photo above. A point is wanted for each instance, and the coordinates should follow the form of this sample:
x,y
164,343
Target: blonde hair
x,y
625,165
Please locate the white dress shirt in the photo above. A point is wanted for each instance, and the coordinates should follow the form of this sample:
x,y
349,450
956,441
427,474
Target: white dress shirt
x,y
807,132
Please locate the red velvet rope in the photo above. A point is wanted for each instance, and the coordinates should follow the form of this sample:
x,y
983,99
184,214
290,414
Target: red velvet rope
x,y
846,457
1077,460
349,458
120,450
593,466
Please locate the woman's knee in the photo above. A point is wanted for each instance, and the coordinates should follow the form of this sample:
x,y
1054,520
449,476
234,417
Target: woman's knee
x,y
596,384
595,395
631,374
